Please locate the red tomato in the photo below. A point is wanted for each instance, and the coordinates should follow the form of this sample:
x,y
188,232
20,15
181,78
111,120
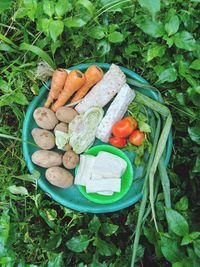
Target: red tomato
x,y
117,141
122,128
132,121
136,138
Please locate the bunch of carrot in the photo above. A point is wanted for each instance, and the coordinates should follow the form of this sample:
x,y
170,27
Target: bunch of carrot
x,y
65,85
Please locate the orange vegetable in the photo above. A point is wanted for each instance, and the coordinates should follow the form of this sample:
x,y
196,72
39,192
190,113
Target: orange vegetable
x,y
136,138
58,81
132,121
74,81
92,75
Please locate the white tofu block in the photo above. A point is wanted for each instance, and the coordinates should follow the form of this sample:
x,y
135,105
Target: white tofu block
x,y
115,112
107,165
105,193
94,186
85,169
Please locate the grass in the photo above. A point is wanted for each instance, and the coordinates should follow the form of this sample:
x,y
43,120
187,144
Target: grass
x,y
164,48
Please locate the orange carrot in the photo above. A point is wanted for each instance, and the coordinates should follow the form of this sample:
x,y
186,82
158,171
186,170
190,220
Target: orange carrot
x,y
74,81
58,81
92,75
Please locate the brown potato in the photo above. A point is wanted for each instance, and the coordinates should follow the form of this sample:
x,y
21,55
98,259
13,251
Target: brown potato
x,y
46,159
62,126
66,114
59,177
43,138
70,159
45,118
67,147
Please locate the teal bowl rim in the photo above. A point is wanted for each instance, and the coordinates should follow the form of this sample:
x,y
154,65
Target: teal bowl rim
x,y
129,165
120,205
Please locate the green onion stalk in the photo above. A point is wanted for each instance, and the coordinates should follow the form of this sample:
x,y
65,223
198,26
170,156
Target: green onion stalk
x,y
155,163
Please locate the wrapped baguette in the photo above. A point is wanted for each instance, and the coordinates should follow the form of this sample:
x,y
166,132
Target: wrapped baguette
x,y
104,90
115,112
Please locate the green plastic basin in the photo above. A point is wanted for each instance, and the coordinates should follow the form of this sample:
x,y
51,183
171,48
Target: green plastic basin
x,y
71,197
126,179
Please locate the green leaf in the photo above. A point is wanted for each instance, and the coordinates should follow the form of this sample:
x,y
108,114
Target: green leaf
x,y
4,228
152,6
115,37
20,98
53,242
5,4
55,259
31,8
184,40
189,238
170,249
172,26
56,28
150,234
194,133
186,240
197,247
29,177
109,228
87,5
96,32
62,7
7,40
144,127
178,264
78,243
94,225
74,22
44,23
195,64
155,51
131,48
168,75
48,7
18,190
105,248
182,204
177,223
197,165
103,47
154,29
39,52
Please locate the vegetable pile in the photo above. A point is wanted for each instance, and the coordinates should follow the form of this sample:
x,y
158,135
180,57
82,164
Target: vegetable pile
x,y
97,173
74,129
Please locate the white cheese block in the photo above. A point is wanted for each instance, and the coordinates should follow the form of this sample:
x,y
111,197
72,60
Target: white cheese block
x,y
104,90
94,186
115,112
85,169
107,165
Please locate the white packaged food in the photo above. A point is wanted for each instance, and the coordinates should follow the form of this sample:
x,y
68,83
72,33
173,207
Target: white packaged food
x,y
107,165
84,170
94,186
104,90
115,112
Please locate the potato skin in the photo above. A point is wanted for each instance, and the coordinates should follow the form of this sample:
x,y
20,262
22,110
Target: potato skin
x,y
45,118
67,147
46,159
66,114
43,138
59,177
62,126
70,159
